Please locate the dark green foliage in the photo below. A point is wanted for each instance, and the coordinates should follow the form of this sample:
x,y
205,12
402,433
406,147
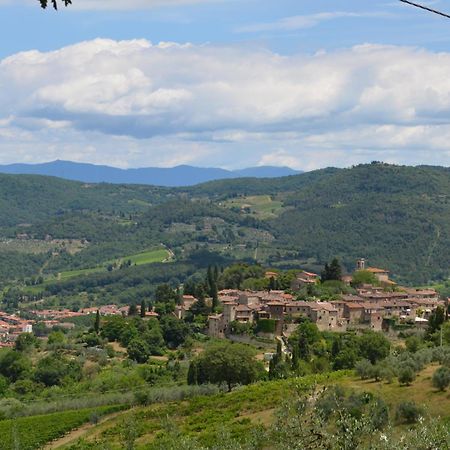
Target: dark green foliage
x,y
25,342
54,369
143,308
441,378
266,326
364,277
406,375
369,210
436,320
372,211
138,350
97,322
332,272
175,331
14,365
408,412
225,363
304,340
374,346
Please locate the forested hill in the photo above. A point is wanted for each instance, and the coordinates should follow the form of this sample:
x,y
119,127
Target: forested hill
x,y
31,198
397,217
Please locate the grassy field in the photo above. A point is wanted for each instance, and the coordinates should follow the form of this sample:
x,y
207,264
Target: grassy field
x,y
147,257
261,206
421,391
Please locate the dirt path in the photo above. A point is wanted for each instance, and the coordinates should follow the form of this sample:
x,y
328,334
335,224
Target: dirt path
x,y
77,433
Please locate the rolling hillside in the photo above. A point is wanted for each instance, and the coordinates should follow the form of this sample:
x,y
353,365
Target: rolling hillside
x,y
397,217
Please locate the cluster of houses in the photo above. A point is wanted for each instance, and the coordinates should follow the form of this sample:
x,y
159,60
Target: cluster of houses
x,y
369,308
10,327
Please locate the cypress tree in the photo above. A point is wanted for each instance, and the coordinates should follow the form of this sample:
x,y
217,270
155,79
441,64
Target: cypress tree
x,y
132,310
143,308
97,322
192,376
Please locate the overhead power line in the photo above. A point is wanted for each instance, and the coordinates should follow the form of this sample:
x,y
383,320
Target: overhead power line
x,y
426,8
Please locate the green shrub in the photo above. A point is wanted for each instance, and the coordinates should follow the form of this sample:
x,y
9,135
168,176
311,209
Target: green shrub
x,y
266,326
441,378
406,376
408,412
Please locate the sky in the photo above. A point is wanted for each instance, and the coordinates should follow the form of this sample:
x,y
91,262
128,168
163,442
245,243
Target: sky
x,y
225,83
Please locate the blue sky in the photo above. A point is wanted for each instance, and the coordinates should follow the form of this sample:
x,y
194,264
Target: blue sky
x,y
244,82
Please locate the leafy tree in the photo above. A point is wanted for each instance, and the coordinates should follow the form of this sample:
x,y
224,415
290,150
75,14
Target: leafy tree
x,y
138,350
361,277
304,339
441,378
332,271
56,338
408,412
175,331
154,338
25,342
437,318
364,369
53,369
227,363
374,346
14,365
413,344
113,328
406,375
165,294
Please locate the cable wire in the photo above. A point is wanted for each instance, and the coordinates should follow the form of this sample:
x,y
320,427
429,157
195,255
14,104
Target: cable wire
x,y
426,8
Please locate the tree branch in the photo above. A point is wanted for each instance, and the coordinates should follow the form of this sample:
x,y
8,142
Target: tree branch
x,y
54,3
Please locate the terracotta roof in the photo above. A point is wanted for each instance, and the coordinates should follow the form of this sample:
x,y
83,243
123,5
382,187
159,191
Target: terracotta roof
x,y
354,306
376,270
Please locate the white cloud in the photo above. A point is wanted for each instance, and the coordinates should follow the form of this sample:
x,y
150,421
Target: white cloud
x,y
135,103
307,21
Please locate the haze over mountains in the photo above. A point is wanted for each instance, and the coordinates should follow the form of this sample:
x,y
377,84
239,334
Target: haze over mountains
x,y
171,177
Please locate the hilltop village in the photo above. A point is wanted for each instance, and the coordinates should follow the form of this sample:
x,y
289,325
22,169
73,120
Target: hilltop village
x,y
376,306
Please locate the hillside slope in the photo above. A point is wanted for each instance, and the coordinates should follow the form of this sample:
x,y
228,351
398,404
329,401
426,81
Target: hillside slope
x,y
397,217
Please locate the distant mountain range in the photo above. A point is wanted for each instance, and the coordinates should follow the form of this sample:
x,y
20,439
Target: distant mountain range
x,y
171,177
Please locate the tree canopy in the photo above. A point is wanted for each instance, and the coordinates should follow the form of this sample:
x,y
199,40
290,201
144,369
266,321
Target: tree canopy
x,y
227,363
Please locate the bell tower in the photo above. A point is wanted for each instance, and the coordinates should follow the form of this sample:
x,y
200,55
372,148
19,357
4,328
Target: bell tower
x,y
361,264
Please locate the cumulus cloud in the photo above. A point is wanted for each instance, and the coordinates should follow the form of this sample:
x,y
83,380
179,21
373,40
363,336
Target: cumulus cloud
x,y
229,106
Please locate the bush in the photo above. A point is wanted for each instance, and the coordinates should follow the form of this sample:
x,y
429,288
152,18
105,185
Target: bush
x,y
408,412
364,369
266,326
441,378
406,376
